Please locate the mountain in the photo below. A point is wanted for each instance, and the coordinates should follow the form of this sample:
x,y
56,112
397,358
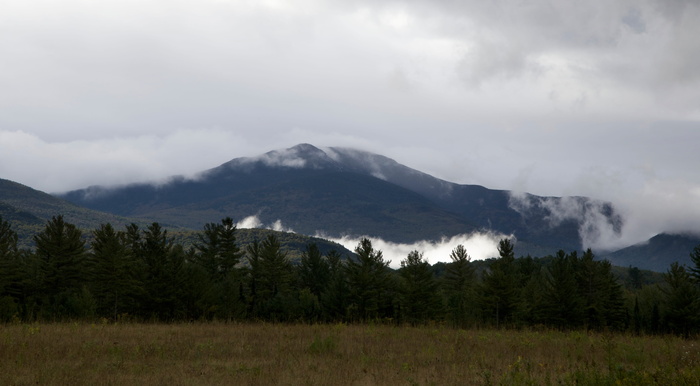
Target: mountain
x,y
28,210
657,253
339,191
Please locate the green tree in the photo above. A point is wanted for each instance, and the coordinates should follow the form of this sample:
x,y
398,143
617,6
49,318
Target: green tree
x,y
161,272
420,299
274,284
11,273
60,253
314,274
561,301
113,268
314,270
368,281
695,269
335,299
218,254
500,285
217,250
682,301
460,279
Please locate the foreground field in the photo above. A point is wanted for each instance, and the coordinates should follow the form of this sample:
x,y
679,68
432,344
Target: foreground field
x,y
262,354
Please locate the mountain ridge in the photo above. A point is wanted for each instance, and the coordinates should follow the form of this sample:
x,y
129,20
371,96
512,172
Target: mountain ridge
x,y
312,190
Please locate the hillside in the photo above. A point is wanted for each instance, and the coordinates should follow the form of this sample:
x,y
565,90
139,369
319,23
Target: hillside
x,y
658,253
339,191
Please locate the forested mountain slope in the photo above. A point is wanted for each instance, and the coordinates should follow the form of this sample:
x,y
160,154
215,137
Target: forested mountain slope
x,y
339,191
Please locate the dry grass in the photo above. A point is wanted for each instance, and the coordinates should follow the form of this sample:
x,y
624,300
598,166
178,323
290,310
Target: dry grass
x,y
264,354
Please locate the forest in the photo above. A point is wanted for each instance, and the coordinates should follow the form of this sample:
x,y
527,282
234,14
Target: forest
x,y
139,275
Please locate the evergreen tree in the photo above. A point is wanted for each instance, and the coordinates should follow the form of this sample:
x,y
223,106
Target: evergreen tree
x,y
335,298
420,301
368,280
253,252
682,301
274,284
60,253
459,286
314,273
561,302
695,269
500,285
113,270
218,254
161,272
11,273
314,270
217,251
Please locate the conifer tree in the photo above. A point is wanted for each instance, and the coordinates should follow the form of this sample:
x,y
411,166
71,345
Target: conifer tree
x,y
11,273
459,286
112,271
161,272
314,270
60,256
369,282
682,301
695,269
336,296
500,285
561,303
275,280
218,254
419,289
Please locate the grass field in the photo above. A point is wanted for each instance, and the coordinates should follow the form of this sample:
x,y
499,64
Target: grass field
x,y
264,354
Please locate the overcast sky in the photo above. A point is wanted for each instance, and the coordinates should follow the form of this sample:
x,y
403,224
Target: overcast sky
x,y
597,98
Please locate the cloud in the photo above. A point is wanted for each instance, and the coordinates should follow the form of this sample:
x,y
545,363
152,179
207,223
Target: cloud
x,y
252,222
479,245
61,166
553,98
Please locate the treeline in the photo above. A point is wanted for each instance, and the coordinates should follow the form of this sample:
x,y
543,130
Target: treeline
x,y
141,274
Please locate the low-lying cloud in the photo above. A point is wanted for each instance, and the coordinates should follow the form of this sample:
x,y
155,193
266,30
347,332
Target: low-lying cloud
x,y
599,225
253,221
479,245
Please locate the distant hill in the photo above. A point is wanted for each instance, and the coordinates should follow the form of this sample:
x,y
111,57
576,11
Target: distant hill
x,y
658,253
28,210
340,191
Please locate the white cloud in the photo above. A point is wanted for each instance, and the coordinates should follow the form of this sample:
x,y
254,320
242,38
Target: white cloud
x,y
550,97
479,245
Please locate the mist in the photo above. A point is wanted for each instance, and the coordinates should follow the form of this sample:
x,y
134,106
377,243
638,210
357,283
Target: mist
x,y
479,245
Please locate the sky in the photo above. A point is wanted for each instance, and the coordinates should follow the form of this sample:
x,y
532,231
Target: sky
x,y
598,98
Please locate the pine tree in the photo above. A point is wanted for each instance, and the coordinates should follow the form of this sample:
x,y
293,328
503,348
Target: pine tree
x,y
500,285
217,251
419,289
314,270
218,254
682,301
113,270
561,302
11,273
274,289
161,272
695,269
459,286
60,253
335,298
368,281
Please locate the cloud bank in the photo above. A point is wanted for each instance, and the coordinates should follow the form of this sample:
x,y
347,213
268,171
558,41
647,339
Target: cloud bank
x,y
597,98
479,245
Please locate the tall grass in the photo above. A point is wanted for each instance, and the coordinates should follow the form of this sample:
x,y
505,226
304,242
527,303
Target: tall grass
x,y
262,354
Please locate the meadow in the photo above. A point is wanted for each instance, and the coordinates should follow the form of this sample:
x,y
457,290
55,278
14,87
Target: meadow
x,y
335,354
